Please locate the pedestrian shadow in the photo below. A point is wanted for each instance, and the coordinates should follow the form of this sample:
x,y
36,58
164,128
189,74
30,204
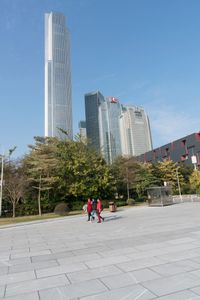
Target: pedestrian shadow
x,y
112,218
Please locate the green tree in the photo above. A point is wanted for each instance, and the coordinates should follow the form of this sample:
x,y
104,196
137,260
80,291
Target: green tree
x,y
127,173
194,180
186,171
82,172
41,165
145,178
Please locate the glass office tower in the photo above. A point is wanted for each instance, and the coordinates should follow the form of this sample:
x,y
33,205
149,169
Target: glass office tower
x,y
114,112
58,103
102,125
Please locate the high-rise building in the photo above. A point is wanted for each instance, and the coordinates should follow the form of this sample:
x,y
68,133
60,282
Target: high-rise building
x,y
114,112
82,131
102,124
58,103
114,129
134,131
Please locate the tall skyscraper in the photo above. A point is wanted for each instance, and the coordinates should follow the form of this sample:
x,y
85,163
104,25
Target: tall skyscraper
x,y
134,131
102,124
58,102
93,103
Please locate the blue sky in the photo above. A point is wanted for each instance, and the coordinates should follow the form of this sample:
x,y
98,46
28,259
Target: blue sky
x,y
144,52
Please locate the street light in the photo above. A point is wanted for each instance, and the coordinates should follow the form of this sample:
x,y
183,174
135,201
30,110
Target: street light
x,y
127,184
194,161
178,182
1,183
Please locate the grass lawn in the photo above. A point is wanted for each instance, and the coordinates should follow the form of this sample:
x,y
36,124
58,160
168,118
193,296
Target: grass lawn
x,y
6,221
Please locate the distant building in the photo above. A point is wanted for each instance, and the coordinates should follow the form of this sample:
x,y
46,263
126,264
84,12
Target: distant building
x,y
184,150
135,131
82,131
92,113
114,129
102,124
58,102
114,111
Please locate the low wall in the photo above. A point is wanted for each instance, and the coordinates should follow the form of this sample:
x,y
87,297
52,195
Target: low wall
x,y
186,198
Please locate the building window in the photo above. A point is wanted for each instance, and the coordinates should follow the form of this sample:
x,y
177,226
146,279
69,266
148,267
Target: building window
x,y
183,143
138,114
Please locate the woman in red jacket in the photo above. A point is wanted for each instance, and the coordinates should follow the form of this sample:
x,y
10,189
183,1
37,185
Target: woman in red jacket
x,y
89,209
99,210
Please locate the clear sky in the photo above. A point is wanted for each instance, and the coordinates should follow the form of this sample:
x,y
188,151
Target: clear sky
x,y
145,52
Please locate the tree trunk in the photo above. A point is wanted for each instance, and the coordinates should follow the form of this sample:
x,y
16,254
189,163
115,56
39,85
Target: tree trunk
x,y
13,209
39,194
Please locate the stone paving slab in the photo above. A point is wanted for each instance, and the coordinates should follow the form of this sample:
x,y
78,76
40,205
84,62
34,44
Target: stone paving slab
x,y
138,253
167,285
185,295
90,274
2,291
3,270
17,277
32,266
36,285
74,290
31,296
196,290
134,292
60,270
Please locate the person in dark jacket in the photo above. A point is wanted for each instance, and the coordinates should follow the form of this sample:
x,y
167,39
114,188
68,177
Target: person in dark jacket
x,y
94,208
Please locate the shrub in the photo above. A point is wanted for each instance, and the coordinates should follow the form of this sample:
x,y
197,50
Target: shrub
x,y
130,201
62,209
76,204
120,202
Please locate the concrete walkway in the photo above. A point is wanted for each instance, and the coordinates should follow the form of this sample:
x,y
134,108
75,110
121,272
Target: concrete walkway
x,y
136,254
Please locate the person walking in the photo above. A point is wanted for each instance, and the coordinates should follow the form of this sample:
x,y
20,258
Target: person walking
x,y
94,208
89,209
99,210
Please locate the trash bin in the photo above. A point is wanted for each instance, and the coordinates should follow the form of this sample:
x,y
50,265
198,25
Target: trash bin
x,y
112,207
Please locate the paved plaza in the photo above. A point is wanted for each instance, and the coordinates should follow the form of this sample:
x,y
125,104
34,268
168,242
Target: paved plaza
x,y
138,253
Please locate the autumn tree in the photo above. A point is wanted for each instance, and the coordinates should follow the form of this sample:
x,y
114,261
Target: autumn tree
x,y
169,172
195,181
15,184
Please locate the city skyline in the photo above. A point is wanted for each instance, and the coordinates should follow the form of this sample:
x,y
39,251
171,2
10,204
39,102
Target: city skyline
x,y
58,102
102,125
114,129
140,57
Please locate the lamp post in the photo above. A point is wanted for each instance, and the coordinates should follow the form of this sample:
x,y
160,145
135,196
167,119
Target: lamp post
x,y
127,183
194,161
178,182
1,191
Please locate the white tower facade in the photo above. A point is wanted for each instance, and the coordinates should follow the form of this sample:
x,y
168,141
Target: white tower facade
x,y
58,99
134,131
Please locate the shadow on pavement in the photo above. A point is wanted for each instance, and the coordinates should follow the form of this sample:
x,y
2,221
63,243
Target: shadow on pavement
x,y
112,218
